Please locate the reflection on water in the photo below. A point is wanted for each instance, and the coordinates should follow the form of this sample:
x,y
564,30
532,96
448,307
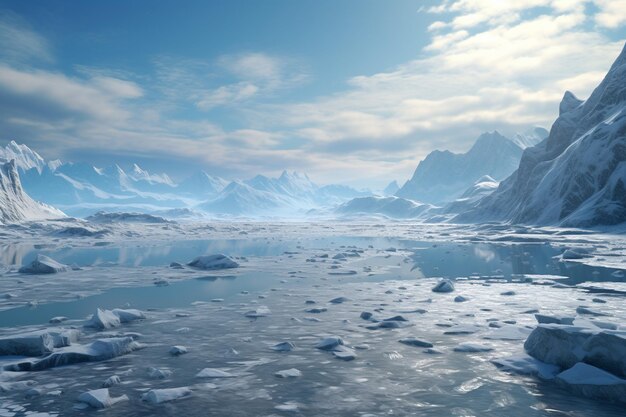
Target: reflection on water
x,y
425,259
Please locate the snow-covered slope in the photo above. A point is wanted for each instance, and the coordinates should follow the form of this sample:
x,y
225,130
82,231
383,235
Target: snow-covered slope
x,y
202,184
530,138
394,207
470,198
443,176
577,176
15,204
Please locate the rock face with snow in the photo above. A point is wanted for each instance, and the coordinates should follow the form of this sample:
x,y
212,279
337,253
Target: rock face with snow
x,y
443,176
577,176
15,204
24,157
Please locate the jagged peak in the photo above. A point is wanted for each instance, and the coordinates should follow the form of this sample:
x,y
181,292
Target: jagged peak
x,y
569,102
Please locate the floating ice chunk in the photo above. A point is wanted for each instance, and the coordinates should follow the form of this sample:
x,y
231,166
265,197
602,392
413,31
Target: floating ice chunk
x,y
588,311
100,398
37,343
126,316
158,396
99,350
472,348
344,353
339,300
213,262
43,265
432,351
526,365
111,381
575,254
103,319
395,318
329,343
544,319
262,311
460,299
607,350
445,285
58,319
508,293
589,381
316,310
176,265
214,373
158,373
283,347
462,329
557,344
289,373
412,341
508,332
178,350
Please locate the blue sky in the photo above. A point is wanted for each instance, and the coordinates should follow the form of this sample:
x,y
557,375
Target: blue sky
x,y
355,91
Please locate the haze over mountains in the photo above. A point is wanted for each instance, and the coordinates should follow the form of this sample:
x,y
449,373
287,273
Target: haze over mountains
x,y
573,176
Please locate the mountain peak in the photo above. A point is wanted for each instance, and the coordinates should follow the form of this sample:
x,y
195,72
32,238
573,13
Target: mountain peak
x,y
569,102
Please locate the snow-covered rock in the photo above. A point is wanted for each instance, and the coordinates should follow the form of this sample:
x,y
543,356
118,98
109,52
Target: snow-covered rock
x,y
445,285
329,343
178,350
158,396
283,347
289,373
100,398
213,262
43,265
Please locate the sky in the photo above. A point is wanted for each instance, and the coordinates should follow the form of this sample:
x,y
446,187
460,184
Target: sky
x,y
347,91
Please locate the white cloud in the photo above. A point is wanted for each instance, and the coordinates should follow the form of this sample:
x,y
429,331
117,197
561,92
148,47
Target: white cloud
x,y
19,42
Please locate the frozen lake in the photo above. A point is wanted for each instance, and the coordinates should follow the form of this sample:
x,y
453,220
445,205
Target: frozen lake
x,y
292,279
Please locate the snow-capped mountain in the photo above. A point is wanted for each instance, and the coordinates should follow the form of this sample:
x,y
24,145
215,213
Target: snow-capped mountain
x,y
203,184
443,176
290,194
81,189
530,137
577,176
24,157
391,188
15,204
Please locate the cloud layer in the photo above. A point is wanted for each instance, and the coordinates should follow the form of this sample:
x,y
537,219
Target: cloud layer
x,y
488,65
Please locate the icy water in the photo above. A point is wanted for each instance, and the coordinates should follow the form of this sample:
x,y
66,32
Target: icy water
x,y
205,311
428,259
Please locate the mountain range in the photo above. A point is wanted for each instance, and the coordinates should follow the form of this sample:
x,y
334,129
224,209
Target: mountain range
x,y
80,189
577,176
444,176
